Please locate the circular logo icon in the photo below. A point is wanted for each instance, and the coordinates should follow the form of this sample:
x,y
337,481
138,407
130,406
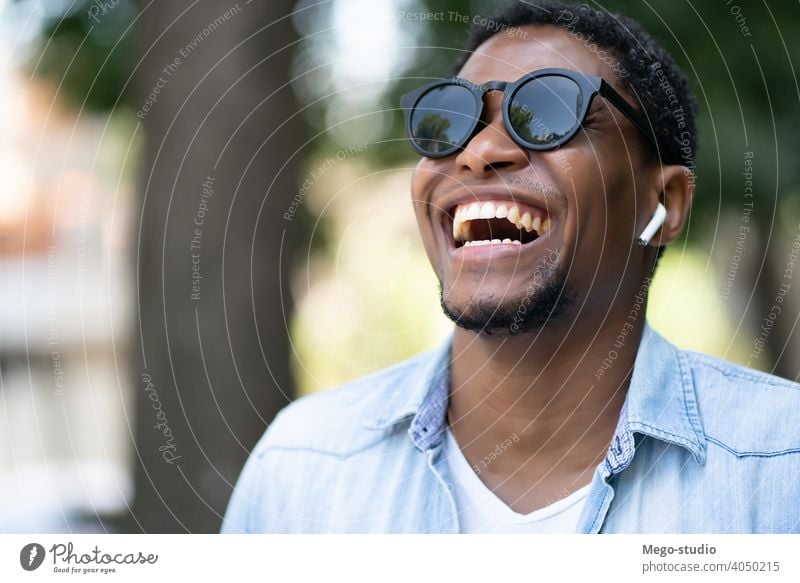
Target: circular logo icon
x,y
31,556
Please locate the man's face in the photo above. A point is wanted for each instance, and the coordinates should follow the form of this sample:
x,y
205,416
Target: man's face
x,y
576,250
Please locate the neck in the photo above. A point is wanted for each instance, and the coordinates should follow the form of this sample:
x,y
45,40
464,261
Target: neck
x,y
556,392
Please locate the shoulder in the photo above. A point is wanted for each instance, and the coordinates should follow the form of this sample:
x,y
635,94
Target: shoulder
x,y
746,411
342,419
715,374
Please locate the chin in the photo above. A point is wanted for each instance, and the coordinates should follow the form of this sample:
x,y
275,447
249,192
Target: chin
x,y
541,305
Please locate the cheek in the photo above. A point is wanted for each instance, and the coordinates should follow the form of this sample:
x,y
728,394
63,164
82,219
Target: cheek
x,y
578,175
600,191
427,173
423,182
421,186
606,198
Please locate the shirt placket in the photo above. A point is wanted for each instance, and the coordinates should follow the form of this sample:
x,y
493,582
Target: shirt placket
x,y
427,430
618,457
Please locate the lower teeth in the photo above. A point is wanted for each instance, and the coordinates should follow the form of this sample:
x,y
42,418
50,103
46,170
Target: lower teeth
x,y
492,242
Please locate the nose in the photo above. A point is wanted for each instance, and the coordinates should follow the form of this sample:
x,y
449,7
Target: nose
x,y
491,148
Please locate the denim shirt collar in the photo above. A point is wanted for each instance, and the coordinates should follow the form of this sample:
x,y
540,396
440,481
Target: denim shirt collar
x,y
661,402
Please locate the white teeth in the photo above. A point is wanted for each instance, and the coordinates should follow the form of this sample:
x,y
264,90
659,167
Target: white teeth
x,y
513,215
526,221
461,230
487,210
465,213
492,242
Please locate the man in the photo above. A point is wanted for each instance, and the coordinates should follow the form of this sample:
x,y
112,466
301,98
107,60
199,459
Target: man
x,y
540,193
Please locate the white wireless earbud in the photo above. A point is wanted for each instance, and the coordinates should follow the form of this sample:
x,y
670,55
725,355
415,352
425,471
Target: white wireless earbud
x,y
653,225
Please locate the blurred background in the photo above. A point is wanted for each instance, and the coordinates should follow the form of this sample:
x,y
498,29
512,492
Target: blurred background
x,y
206,213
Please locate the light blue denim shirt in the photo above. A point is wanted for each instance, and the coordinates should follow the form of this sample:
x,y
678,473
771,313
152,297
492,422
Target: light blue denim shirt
x,y
702,445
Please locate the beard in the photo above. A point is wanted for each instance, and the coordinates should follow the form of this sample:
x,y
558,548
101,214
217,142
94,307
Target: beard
x,y
546,301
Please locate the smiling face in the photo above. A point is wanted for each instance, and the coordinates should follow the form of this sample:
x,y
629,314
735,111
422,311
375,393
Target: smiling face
x,y
520,237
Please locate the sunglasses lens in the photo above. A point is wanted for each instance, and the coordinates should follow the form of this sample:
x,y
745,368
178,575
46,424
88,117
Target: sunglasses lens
x,y
442,119
545,109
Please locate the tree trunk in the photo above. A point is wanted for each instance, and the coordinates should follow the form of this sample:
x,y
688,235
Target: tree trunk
x,y
212,365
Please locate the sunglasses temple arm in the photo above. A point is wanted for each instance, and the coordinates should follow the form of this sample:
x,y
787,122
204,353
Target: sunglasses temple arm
x,y
634,116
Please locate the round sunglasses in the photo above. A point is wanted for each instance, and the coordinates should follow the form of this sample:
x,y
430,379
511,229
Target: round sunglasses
x,y
541,111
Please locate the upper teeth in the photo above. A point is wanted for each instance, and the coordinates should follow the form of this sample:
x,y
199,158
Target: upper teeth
x,y
523,216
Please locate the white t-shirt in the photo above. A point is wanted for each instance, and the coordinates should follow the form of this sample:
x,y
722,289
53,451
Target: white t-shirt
x,y
481,511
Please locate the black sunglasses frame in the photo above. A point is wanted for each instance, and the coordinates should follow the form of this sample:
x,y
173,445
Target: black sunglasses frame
x,y
590,86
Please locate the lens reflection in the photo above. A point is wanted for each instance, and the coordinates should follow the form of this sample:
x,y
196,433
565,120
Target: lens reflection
x,y
442,118
545,109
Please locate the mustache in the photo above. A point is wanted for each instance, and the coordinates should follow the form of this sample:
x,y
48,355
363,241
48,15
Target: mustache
x,y
520,182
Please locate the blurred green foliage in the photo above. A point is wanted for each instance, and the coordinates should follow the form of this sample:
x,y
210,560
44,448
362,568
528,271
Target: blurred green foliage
x,y
86,50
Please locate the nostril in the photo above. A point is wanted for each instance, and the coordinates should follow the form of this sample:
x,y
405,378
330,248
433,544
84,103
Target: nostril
x,y
494,166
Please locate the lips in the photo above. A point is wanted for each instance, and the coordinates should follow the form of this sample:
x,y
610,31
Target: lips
x,y
497,222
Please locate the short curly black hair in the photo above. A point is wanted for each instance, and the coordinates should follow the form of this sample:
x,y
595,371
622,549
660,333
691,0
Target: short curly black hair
x,y
643,66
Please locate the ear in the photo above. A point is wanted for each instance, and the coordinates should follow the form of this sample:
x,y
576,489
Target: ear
x,y
675,184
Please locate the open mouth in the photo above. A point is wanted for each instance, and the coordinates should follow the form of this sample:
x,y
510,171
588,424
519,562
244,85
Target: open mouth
x,y
498,222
